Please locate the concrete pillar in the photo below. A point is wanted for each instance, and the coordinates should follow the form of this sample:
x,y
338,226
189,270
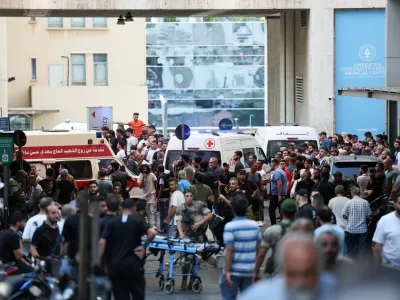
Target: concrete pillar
x,y
319,111
273,80
393,62
289,67
282,68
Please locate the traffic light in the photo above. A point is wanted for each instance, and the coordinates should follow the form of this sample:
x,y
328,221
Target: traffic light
x,y
252,120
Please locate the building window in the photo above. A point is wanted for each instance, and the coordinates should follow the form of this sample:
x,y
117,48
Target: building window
x,y
32,19
55,22
33,64
78,69
100,69
78,22
99,22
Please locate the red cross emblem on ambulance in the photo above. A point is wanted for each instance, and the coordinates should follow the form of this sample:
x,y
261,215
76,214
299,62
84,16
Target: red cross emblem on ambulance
x,y
209,143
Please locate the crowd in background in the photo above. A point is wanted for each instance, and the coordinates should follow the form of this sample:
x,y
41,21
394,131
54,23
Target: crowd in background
x,y
212,200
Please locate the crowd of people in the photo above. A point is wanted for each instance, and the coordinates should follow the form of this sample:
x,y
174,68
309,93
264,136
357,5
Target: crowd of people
x,y
313,214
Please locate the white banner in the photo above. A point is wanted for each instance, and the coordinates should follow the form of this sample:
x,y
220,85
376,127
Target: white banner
x,y
99,117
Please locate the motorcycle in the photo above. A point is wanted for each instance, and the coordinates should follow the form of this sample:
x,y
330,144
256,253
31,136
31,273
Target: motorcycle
x,y
380,206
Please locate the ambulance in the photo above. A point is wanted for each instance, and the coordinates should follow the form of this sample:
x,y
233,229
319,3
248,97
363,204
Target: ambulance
x,y
84,153
274,136
219,145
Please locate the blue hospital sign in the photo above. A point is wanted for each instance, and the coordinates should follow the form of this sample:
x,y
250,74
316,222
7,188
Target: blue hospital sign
x,y
360,62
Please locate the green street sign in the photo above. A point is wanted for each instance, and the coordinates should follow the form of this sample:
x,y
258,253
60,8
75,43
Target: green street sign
x,y
6,149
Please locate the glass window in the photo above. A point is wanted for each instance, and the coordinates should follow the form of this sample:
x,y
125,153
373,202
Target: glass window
x,y
100,69
260,154
207,71
78,22
351,168
174,154
275,145
78,69
99,22
33,65
55,22
80,169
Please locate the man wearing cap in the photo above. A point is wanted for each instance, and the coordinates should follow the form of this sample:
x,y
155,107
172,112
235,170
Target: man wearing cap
x,y
323,141
306,210
271,238
131,139
65,190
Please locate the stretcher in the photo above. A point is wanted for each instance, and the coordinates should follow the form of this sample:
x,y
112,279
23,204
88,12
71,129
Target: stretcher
x,y
190,254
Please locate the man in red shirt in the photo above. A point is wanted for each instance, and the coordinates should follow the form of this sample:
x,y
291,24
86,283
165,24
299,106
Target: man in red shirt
x,y
288,175
136,125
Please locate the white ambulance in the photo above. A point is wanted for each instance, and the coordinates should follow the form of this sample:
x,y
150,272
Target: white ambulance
x,y
219,145
84,153
274,136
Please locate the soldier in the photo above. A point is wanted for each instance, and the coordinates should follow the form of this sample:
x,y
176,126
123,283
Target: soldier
x,y
193,218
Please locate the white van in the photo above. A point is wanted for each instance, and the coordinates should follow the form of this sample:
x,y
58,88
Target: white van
x,y
210,145
272,137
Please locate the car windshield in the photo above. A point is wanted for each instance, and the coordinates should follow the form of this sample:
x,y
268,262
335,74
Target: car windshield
x,y
349,168
275,146
205,155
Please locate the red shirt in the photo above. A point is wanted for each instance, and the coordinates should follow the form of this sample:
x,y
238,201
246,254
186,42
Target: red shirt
x,y
137,127
289,180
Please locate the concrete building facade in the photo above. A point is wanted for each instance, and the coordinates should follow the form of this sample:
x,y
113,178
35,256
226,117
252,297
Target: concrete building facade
x,y
300,41
63,65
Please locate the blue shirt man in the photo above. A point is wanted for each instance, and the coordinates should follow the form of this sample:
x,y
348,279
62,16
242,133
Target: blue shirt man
x,y
242,239
279,174
324,142
183,183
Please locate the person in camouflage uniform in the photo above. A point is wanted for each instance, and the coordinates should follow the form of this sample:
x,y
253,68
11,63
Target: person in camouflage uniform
x,y
192,222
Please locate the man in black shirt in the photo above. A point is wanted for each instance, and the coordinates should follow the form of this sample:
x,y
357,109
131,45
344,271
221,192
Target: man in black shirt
x,y
208,175
124,253
11,244
119,176
325,188
306,210
238,165
306,183
70,234
46,240
112,203
65,189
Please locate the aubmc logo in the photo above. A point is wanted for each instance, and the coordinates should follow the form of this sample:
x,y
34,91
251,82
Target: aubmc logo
x,y
367,52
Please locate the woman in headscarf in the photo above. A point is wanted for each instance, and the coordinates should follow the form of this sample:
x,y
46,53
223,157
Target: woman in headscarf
x,y
17,187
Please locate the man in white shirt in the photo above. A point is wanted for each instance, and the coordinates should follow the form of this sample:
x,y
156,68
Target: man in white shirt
x,y
147,182
121,150
175,202
337,204
152,151
131,140
387,239
35,222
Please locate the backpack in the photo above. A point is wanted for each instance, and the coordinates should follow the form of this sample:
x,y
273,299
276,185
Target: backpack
x,y
271,266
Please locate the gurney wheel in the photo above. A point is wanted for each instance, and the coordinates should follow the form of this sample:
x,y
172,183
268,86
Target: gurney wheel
x,y
169,287
161,283
197,286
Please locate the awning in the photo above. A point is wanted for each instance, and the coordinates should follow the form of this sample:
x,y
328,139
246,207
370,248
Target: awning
x,y
32,111
392,94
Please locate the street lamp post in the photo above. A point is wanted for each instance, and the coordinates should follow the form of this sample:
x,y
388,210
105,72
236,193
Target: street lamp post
x,y
164,108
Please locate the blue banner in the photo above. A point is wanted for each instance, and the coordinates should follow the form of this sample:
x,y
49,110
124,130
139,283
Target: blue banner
x,y
360,62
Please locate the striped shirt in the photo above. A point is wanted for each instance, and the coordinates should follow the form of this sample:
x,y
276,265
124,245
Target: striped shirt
x,y
243,234
357,210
